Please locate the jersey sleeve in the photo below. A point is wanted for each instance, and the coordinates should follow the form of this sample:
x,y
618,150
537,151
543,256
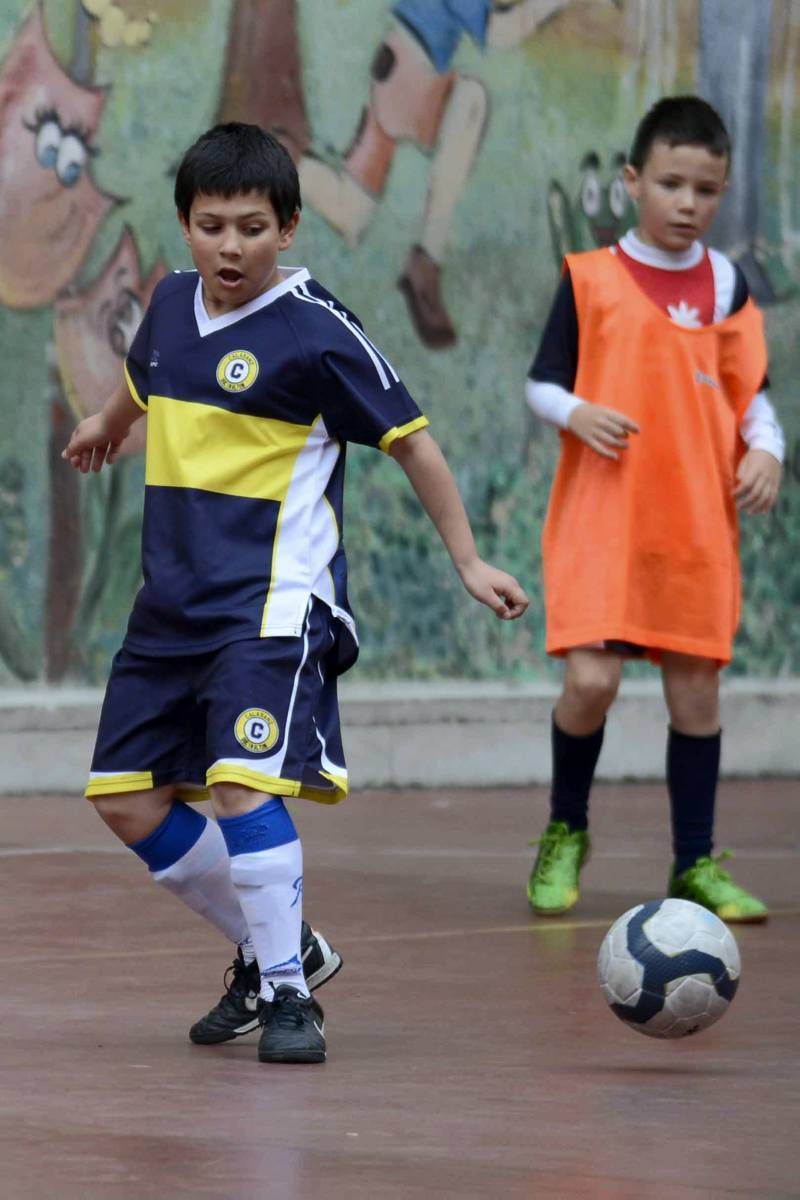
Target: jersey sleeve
x,y
363,399
740,296
137,362
556,360
741,291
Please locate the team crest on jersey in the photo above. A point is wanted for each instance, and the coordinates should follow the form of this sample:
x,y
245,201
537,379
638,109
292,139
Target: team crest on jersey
x,y
256,730
237,371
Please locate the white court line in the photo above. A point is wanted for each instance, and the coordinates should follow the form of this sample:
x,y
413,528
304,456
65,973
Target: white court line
x,y
451,852
546,926
33,851
406,852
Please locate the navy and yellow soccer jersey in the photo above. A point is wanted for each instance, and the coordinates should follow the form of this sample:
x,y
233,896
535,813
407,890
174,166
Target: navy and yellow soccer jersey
x,y
248,417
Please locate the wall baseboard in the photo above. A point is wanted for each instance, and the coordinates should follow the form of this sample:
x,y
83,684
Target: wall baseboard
x,y
443,734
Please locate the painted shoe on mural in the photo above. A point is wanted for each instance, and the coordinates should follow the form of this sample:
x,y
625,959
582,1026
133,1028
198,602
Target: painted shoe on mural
x,y
420,284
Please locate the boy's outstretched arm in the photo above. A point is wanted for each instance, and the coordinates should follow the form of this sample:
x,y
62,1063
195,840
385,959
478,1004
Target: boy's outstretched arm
x,y
424,464
97,439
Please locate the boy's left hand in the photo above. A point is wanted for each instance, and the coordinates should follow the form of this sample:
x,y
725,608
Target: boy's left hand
x,y
497,590
758,478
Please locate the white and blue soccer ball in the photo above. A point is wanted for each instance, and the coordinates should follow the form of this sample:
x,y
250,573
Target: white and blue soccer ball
x,y
669,968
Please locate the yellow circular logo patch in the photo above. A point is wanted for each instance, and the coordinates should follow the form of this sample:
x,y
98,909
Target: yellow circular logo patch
x,y
237,371
256,730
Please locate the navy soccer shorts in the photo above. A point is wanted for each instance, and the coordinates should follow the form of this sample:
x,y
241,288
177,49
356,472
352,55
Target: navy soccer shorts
x,y
262,713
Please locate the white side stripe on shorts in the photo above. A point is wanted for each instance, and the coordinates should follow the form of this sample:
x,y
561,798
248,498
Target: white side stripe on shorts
x,y
378,359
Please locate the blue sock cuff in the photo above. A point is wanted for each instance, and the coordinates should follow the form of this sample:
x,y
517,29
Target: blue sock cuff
x,y
265,827
176,835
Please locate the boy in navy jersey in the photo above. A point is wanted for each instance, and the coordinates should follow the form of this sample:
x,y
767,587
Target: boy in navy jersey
x,y
652,363
254,378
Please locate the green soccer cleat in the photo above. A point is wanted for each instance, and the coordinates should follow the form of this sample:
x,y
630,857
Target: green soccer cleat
x,y
553,884
706,883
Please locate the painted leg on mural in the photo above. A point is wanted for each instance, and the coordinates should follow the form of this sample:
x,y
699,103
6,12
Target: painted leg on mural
x,y
420,282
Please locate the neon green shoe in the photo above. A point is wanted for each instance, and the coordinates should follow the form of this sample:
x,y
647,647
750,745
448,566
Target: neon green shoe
x,y
553,884
708,884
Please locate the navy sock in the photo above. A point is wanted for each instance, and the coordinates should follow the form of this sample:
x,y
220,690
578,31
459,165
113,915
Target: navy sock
x,y
574,762
692,774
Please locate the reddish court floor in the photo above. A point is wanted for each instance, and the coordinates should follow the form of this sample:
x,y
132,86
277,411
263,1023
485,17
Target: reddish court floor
x,y
470,1052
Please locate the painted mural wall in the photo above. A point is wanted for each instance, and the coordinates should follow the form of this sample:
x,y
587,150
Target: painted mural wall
x,y
444,175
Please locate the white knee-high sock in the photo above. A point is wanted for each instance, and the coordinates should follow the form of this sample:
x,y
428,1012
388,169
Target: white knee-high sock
x,y
269,884
201,878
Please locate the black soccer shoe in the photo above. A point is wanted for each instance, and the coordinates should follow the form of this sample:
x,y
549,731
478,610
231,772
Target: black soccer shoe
x,y
292,1028
236,1014
320,961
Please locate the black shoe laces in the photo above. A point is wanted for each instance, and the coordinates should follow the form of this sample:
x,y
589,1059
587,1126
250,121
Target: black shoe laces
x,y
235,980
287,1012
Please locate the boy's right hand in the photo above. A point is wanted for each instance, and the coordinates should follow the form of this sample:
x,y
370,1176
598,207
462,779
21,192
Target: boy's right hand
x,y
498,590
92,444
604,430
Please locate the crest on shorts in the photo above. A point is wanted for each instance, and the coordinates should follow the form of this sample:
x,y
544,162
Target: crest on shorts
x,y
237,371
256,730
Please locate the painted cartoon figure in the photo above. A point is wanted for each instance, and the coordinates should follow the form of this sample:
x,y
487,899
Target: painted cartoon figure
x,y
416,96
50,208
95,327
262,83
597,216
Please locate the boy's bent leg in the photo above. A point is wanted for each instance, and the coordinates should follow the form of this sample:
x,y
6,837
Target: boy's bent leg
x,y
184,852
590,685
267,872
691,689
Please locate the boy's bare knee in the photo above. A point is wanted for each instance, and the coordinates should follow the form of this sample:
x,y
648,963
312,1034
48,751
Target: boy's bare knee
x,y
134,815
591,683
233,800
691,690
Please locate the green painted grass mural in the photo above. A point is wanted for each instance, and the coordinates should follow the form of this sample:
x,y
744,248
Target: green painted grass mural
x,y
441,188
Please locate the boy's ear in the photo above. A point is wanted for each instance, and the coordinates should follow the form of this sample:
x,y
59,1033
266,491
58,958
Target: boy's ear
x,y
289,230
184,224
630,179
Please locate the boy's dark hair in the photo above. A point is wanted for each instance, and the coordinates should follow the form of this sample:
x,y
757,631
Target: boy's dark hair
x,y
680,121
236,158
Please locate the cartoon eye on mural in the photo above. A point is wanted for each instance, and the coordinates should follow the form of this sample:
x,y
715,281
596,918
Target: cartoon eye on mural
x,y
50,208
94,329
416,96
598,213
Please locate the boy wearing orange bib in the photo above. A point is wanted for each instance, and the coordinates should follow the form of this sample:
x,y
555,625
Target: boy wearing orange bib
x,y
653,365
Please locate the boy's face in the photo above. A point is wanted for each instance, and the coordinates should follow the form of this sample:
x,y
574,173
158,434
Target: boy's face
x,y
678,191
235,242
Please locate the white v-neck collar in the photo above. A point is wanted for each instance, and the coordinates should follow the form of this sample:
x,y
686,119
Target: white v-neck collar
x,y
206,324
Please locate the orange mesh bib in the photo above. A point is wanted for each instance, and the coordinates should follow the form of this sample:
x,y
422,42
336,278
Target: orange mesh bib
x,y
645,549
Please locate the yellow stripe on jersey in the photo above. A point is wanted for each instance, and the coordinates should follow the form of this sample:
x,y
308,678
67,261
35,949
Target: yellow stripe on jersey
x,y
210,449
137,399
401,431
